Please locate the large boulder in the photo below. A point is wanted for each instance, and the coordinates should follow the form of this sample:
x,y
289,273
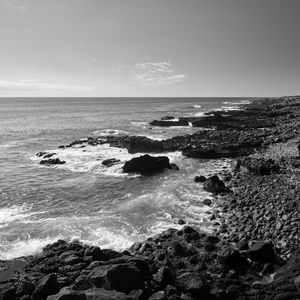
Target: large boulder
x,y
213,184
47,286
147,164
119,277
262,251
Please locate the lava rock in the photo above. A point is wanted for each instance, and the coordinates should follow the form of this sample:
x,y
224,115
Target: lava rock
x,y
52,161
110,162
200,178
214,185
147,165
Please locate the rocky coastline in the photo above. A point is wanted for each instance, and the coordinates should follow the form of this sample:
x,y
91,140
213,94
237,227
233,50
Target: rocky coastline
x,y
254,251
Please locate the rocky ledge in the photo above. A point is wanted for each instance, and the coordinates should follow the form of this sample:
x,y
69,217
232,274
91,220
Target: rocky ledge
x,y
176,264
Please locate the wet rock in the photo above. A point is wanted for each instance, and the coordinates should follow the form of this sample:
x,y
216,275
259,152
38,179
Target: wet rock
x,y
200,178
165,123
147,165
207,202
52,161
110,162
214,185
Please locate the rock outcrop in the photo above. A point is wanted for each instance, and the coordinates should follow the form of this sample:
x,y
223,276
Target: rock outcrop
x,y
147,165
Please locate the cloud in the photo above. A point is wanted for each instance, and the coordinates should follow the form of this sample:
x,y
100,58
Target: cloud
x,y
34,85
16,4
157,74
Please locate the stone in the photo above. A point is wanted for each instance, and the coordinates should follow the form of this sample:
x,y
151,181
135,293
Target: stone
x,y
192,282
121,277
262,251
52,161
47,286
110,162
207,202
147,165
214,185
200,178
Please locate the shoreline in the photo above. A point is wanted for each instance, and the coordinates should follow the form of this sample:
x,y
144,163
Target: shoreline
x,y
175,259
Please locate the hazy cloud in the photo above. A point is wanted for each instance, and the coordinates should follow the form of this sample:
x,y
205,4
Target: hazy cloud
x,y
37,85
157,74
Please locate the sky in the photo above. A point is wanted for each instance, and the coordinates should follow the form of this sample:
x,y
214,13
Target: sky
x,y
148,48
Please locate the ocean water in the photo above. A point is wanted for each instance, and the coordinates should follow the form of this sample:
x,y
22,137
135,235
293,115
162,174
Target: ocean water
x,y
83,199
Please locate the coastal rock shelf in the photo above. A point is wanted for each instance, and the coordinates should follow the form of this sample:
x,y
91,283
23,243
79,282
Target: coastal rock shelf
x,y
176,264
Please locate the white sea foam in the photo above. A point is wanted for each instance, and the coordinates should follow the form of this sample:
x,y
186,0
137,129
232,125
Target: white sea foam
x,y
197,106
13,213
139,123
89,159
106,132
24,247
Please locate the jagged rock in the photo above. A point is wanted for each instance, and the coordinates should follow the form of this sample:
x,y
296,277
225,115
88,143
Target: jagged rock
x,y
52,161
262,251
110,162
47,286
121,277
214,185
147,164
200,178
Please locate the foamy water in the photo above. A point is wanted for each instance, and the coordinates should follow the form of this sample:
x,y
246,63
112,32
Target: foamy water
x,y
83,199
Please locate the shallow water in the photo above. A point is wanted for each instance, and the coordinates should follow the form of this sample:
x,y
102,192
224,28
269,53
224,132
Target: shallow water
x,y
83,199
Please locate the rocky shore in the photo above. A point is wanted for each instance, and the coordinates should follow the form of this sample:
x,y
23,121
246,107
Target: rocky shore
x,y
253,253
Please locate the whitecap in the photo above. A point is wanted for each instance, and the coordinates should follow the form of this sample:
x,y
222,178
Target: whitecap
x,y
14,213
197,106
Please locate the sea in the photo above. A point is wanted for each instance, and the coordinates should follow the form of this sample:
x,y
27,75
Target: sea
x,y
82,199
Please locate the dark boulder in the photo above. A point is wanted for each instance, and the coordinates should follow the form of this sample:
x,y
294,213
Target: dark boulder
x,y
214,185
47,286
262,251
52,161
200,178
121,277
163,123
207,202
147,164
110,162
